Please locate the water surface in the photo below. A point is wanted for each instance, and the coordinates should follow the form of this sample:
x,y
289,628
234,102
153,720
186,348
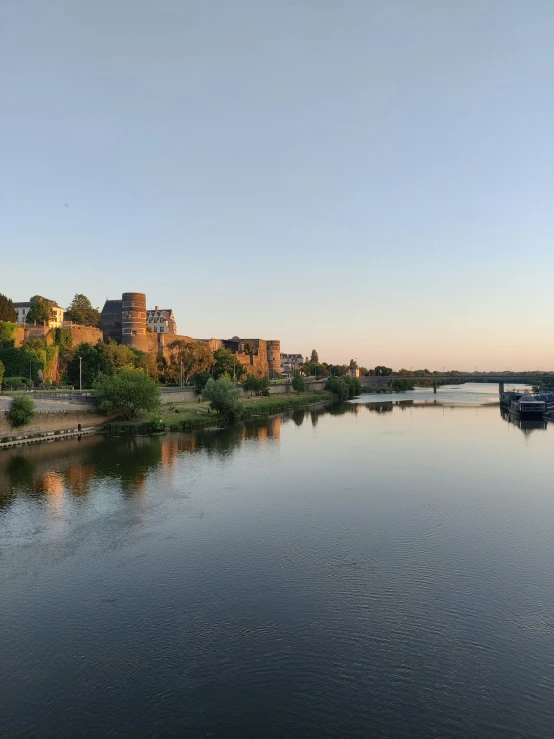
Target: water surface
x,y
381,567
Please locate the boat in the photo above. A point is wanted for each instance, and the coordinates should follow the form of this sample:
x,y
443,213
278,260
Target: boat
x,y
527,405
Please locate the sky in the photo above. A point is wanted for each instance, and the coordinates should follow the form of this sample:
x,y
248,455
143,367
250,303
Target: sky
x,y
371,179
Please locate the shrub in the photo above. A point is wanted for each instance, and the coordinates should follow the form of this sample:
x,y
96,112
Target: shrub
x,y
401,385
344,387
298,384
21,412
16,383
200,380
127,392
223,397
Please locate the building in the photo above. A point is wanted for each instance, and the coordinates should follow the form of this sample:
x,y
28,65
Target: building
x,y
161,320
22,309
291,363
127,322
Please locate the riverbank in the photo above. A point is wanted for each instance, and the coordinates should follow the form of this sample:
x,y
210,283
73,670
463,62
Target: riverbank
x,y
190,416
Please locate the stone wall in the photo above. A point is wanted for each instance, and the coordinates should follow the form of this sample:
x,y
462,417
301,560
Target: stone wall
x,y
189,394
79,334
60,421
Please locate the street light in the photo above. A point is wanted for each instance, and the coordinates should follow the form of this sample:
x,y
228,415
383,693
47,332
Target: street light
x,y
80,373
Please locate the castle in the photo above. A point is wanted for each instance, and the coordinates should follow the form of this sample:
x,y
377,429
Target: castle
x,y
128,322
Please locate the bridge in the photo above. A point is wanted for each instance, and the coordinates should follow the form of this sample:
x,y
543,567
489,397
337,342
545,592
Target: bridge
x,y
500,378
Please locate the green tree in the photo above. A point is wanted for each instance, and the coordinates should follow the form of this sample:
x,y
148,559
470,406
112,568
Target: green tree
x,y
223,397
338,370
298,384
200,380
41,310
382,371
343,387
2,370
127,392
227,364
338,386
7,311
196,357
105,359
7,334
81,311
21,412
314,359
319,370
249,348
400,386
256,384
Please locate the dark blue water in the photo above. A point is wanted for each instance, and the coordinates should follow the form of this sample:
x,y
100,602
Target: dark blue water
x,y
384,569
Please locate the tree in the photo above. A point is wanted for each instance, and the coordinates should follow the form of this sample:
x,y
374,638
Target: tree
x,y
298,384
338,386
249,348
196,357
2,369
343,387
223,397
200,380
338,370
402,385
21,412
81,311
127,392
314,359
310,369
103,359
7,311
256,384
227,364
7,334
41,311
382,371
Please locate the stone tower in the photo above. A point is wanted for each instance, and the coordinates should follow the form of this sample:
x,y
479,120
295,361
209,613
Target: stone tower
x,y
274,356
133,320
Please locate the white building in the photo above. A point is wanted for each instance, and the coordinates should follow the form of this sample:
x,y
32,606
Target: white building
x,y
161,320
291,363
22,309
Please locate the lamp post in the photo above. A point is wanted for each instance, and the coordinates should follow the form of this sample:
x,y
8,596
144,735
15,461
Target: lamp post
x,y
80,373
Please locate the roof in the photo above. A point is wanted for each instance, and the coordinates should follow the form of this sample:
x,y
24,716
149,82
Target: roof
x,y
112,306
21,305
159,310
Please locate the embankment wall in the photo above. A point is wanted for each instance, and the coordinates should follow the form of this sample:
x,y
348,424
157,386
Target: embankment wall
x,y
54,421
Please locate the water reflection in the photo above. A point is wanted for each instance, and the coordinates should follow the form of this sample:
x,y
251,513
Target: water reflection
x,y
49,471
77,466
335,565
524,425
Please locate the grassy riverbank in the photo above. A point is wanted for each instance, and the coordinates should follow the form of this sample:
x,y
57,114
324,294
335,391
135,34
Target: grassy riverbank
x,y
190,416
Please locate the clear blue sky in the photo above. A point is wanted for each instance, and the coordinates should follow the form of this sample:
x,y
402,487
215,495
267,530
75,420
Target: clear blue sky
x,y
367,178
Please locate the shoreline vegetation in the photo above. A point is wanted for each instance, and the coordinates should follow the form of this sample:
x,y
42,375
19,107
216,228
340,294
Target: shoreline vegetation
x,y
191,416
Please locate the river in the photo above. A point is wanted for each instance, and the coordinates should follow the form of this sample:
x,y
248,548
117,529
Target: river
x,y
382,567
